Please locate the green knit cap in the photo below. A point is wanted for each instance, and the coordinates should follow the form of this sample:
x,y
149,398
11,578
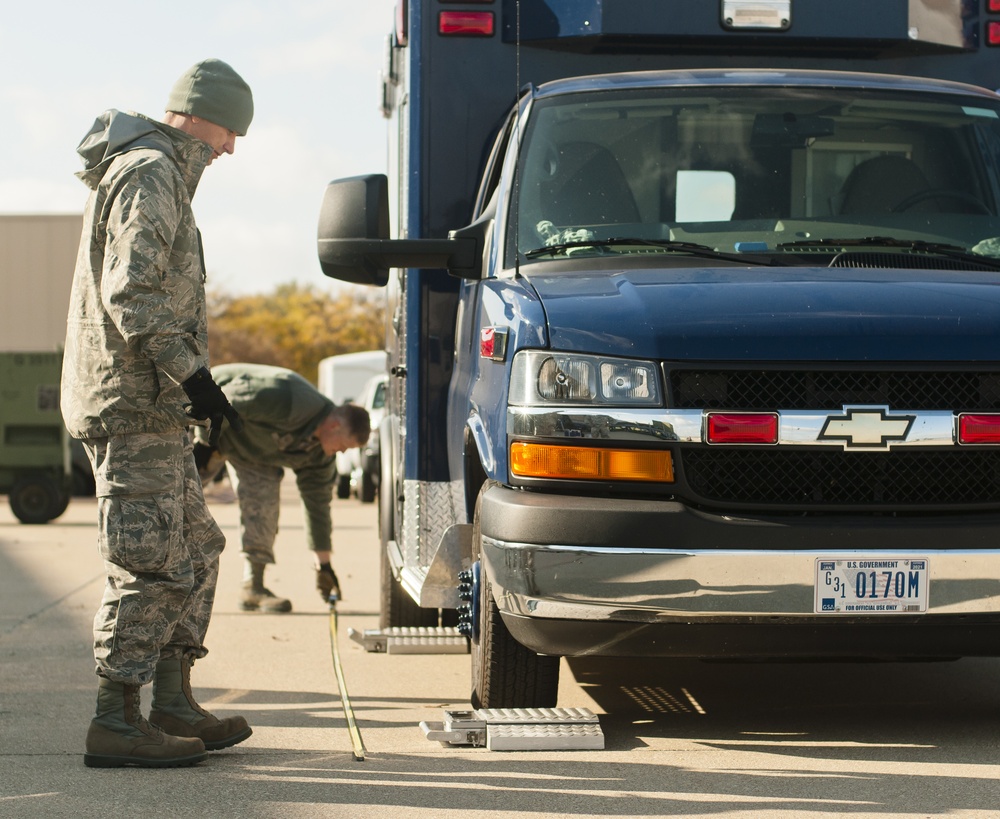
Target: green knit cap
x,y
212,90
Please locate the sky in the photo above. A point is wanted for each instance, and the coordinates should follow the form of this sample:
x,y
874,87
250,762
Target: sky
x,y
313,67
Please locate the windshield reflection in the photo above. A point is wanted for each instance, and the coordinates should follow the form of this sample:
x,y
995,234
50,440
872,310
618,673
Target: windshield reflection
x,y
747,170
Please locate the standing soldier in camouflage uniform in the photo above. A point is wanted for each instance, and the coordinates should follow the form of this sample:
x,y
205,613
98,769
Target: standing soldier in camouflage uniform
x,y
134,374
288,424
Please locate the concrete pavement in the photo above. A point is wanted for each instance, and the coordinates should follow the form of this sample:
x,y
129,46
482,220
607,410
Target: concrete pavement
x,y
682,738
274,669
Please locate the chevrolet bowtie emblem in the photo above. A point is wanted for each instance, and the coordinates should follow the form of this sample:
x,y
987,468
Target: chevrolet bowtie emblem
x,y
866,427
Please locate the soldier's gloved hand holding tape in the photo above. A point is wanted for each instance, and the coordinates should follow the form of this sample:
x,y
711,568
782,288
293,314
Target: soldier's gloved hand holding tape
x,y
209,403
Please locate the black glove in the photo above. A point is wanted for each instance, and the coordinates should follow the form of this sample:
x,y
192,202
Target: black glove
x,y
209,402
209,461
327,583
202,455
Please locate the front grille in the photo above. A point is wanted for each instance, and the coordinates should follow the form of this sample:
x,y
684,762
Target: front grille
x,y
831,478
791,389
804,479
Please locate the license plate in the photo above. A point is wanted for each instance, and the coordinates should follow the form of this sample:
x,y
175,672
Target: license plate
x,y
871,585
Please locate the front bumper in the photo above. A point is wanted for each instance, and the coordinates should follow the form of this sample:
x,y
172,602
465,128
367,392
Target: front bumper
x,y
604,576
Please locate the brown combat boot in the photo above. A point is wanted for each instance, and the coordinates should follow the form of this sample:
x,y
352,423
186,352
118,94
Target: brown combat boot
x,y
176,711
258,598
119,736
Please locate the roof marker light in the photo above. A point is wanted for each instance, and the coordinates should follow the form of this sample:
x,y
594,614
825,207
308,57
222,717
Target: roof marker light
x,y
741,428
402,23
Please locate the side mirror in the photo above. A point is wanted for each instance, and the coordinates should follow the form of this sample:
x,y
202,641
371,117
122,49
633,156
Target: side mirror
x,y
354,244
353,222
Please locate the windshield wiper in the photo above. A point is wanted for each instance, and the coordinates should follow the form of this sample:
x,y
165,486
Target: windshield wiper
x,y
918,245
667,245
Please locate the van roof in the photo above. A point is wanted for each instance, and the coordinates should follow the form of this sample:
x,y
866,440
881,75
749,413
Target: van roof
x,y
757,77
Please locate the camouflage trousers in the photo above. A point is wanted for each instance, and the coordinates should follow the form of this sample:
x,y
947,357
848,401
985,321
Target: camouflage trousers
x,y
161,550
258,491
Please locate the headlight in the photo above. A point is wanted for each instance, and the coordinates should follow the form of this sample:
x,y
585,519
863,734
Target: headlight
x,y
540,377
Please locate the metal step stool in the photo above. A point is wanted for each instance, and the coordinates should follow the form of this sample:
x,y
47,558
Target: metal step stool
x,y
519,729
412,640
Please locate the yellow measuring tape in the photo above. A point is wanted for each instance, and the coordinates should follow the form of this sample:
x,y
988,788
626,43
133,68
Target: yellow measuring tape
x,y
345,699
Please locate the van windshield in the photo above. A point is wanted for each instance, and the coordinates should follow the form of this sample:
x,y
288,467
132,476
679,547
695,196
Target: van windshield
x,y
755,169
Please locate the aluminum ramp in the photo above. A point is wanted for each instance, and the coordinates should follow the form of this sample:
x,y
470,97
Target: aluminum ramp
x,y
412,640
518,729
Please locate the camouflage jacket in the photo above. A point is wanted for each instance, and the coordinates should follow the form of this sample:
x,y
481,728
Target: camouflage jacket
x,y
280,412
137,323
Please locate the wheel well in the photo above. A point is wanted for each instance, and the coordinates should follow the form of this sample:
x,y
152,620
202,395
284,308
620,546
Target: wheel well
x,y
475,475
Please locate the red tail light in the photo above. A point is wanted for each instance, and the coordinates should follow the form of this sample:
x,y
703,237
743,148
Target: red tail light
x,y
466,23
402,24
742,428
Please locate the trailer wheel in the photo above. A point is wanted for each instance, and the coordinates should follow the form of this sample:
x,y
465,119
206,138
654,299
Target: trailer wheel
x,y
398,609
505,674
38,498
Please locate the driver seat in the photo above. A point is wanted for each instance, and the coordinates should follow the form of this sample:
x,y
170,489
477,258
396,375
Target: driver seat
x,y
588,187
879,184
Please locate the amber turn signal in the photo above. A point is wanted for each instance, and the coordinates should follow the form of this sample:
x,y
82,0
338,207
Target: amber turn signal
x,y
528,460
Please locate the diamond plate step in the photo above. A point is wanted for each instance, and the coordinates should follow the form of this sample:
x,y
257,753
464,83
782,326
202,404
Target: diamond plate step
x,y
544,737
536,716
519,729
412,640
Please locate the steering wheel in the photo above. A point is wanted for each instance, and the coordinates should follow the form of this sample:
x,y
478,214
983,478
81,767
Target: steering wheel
x,y
943,193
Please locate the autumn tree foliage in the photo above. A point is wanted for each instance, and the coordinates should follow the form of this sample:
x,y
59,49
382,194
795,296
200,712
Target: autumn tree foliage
x,y
296,326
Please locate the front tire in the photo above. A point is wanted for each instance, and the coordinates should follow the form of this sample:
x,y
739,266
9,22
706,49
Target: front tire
x,y
505,674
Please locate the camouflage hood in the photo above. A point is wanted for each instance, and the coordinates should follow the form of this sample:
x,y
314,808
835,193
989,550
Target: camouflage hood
x,y
114,133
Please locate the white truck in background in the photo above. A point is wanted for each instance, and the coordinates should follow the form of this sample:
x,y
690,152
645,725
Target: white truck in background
x,y
342,379
358,468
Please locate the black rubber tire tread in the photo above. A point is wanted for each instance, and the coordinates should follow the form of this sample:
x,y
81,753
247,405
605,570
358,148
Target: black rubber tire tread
x,y
505,674
343,486
366,491
398,609
37,498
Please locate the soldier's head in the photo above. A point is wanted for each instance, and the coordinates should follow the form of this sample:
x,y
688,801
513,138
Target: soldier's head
x,y
212,102
344,427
